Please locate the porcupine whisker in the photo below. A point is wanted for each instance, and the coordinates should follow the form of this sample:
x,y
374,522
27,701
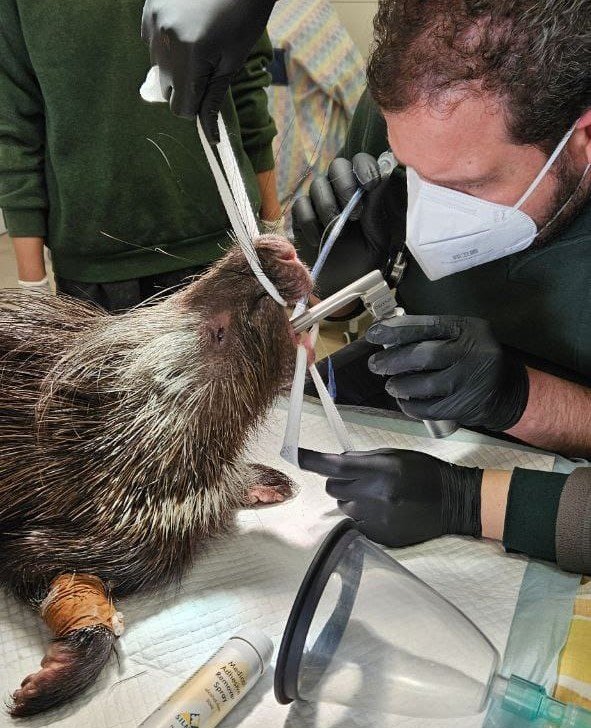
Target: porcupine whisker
x,y
123,435
162,152
145,247
310,165
280,148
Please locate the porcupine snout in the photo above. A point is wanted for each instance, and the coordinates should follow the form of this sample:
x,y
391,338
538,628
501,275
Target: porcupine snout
x,y
281,263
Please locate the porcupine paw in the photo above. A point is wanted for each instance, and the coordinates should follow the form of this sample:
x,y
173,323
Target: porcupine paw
x,y
268,486
69,666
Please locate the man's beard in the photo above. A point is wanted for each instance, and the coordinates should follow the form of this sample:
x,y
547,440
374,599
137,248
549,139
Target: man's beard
x,y
572,193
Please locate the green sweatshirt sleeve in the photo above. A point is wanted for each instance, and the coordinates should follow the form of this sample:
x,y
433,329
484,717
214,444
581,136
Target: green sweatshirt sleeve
x,y
532,510
257,127
23,196
367,131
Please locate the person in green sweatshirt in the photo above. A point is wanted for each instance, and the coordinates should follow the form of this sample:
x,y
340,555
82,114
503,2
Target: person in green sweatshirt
x,y
118,190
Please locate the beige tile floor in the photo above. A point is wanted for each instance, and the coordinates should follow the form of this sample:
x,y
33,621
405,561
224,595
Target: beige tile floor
x,y
332,336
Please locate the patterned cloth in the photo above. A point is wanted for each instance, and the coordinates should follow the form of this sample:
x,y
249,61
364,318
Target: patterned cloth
x,y
574,669
325,75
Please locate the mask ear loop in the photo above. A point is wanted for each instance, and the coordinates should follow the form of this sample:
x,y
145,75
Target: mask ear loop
x,y
545,168
570,197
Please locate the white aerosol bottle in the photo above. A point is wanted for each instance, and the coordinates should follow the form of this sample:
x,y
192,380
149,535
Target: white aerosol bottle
x,y
210,693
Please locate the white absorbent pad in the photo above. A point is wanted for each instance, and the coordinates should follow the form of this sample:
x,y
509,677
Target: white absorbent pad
x,y
251,577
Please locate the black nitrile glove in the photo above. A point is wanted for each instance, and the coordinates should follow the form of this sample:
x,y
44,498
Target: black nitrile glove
x,y
450,368
375,228
401,497
199,45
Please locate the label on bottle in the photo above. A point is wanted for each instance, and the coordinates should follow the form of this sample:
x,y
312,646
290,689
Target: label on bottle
x,y
211,693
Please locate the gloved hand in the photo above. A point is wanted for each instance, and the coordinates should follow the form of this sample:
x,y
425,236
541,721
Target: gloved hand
x,y
401,497
375,227
199,45
450,368
41,286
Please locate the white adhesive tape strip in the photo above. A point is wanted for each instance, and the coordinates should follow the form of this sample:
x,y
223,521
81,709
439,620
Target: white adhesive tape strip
x,y
243,228
230,166
332,414
289,450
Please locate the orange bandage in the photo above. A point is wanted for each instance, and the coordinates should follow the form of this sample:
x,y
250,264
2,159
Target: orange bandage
x,y
76,601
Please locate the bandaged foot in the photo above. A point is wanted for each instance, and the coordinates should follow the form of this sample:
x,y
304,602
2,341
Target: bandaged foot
x,y
85,623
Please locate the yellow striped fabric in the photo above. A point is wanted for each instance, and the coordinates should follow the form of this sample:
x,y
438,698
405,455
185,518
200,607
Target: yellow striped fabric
x,y
326,77
574,667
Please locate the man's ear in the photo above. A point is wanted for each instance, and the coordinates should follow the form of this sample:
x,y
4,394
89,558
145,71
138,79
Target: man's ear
x,y
584,123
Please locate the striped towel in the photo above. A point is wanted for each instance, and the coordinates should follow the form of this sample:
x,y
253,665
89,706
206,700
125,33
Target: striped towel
x,y
326,76
574,667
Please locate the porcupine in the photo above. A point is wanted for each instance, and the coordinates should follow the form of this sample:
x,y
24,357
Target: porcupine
x,y
121,439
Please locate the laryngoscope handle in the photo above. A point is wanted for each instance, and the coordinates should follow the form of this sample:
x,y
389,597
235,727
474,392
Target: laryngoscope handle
x,y
437,429
441,428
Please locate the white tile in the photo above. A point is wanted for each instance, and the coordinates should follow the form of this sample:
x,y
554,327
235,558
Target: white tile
x,y
357,17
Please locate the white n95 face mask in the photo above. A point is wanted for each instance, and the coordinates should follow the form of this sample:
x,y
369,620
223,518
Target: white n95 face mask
x,y
449,231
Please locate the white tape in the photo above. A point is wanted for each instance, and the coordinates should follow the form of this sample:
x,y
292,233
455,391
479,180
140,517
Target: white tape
x,y
230,166
332,414
289,450
236,203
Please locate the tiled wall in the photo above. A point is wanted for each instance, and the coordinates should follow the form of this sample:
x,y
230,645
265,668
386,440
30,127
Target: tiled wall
x,y
357,17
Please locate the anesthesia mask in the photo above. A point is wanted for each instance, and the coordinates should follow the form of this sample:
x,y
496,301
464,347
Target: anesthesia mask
x,y
365,632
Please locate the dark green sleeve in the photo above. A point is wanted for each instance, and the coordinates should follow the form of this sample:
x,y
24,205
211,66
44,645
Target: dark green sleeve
x,y
257,127
532,510
367,131
23,196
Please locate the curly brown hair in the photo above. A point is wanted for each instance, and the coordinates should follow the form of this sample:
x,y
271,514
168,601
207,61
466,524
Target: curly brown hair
x,y
532,55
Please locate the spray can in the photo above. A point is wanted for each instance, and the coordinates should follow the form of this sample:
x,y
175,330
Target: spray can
x,y
209,694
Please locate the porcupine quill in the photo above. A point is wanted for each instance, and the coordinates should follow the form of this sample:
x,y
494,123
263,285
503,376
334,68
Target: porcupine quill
x,y
121,438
